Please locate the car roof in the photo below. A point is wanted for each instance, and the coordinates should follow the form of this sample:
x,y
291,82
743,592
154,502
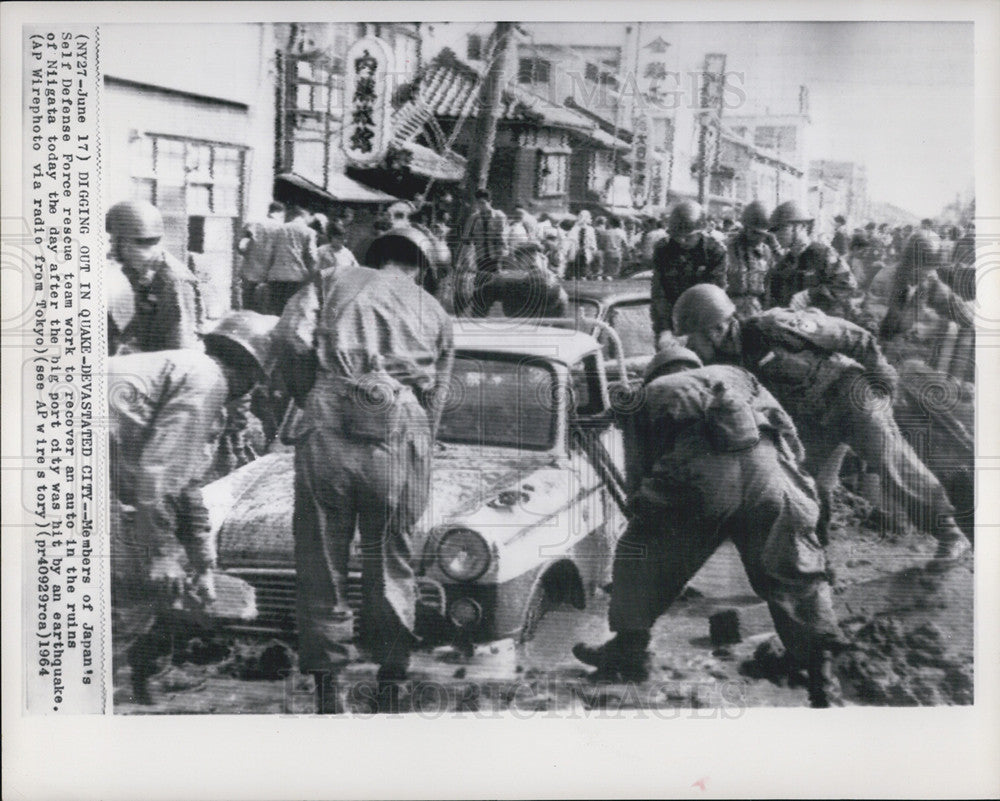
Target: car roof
x,y
523,337
609,291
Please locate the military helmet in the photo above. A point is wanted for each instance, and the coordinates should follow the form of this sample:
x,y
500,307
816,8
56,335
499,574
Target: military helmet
x,y
921,251
134,219
755,217
406,245
701,307
674,353
686,217
789,212
250,331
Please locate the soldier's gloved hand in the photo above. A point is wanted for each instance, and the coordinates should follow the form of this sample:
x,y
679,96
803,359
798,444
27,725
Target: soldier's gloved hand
x,y
203,586
167,576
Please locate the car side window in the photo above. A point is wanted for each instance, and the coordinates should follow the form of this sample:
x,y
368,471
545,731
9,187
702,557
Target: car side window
x,y
631,322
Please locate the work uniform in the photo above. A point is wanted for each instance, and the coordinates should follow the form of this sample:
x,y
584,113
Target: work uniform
x,y
166,412
166,308
800,269
292,263
676,269
361,461
713,456
748,274
258,253
827,372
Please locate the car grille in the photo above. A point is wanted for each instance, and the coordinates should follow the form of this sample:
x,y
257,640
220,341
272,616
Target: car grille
x,y
275,590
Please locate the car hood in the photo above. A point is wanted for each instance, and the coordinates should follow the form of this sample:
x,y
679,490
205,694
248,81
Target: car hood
x,y
251,508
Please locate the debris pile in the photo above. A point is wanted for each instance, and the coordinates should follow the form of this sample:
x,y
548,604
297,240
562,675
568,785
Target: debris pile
x,y
899,663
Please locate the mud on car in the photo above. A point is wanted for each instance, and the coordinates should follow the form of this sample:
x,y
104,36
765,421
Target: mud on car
x,y
524,511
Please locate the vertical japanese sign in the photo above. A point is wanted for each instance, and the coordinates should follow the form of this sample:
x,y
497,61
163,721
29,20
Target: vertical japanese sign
x,y
713,83
367,114
640,160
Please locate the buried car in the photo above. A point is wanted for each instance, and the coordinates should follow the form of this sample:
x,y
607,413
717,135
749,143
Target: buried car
x,y
525,508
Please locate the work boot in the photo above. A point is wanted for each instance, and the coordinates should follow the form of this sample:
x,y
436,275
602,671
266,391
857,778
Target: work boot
x,y
327,694
622,658
952,546
824,689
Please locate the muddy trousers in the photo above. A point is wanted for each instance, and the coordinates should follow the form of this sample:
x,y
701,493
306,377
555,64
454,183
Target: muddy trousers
x,y
909,491
770,514
343,485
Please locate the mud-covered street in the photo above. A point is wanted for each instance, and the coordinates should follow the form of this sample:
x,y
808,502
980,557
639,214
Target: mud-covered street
x,y
912,630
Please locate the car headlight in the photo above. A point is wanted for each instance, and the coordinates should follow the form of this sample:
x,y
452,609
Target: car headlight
x,y
463,554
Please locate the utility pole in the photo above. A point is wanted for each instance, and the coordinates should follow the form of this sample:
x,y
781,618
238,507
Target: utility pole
x,y
490,100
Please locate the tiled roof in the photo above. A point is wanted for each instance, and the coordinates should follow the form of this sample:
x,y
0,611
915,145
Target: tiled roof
x,y
450,88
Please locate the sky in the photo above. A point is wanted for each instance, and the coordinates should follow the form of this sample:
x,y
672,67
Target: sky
x,y
895,96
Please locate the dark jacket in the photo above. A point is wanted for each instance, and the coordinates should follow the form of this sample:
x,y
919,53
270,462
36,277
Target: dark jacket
x,y
676,269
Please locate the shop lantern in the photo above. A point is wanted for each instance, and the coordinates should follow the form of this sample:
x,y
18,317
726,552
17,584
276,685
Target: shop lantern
x,y
366,127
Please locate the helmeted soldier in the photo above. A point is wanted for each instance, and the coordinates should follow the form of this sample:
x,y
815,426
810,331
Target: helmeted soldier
x,y
166,412
382,350
688,257
804,262
836,294
750,258
833,379
917,284
166,293
718,458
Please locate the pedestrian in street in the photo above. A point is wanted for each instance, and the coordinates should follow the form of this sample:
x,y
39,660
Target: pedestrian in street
x,y
167,302
486,234
256,247
614,249
583,241
555,251
750,257
836,384
841,240
293,262
803,262
166,413
688,257
380,350
598,268
335,254
655,233
319,222
524,222
716,458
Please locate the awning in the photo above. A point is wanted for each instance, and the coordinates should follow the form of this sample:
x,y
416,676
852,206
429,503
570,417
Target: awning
x,y
340,189
441,167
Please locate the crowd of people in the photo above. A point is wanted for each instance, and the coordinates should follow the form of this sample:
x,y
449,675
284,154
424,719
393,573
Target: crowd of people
x,y
765,337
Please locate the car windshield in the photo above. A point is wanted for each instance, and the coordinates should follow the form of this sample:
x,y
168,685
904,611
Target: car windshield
x,y
581,309
500,400
632,322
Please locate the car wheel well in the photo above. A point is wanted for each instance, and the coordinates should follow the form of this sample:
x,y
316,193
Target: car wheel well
x,y
563,585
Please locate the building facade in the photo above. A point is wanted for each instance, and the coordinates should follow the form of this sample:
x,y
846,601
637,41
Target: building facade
x,y
190,128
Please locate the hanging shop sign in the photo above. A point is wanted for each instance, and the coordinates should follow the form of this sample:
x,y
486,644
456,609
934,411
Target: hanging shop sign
x,y
640,160
367,121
